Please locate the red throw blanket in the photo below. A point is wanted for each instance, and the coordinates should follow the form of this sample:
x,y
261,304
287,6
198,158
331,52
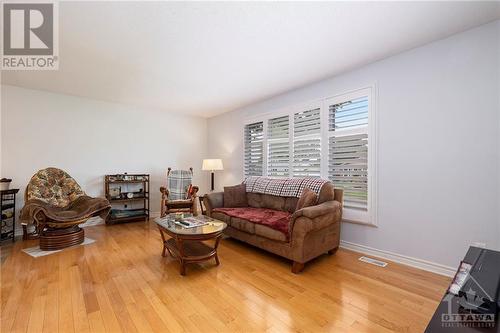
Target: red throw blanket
x,y
275,219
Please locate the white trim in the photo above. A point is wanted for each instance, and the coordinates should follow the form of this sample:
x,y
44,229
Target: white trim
x,y
401,259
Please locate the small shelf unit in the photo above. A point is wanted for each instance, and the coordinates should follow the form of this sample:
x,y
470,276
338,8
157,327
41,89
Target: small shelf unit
x,y
8,214
139,195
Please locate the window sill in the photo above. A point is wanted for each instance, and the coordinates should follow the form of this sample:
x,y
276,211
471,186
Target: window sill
x,y
368,224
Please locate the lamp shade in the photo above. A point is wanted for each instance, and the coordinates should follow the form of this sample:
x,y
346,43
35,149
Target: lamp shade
x,y
213,164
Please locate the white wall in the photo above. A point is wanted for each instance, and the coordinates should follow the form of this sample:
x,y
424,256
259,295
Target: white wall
x,y
89,138
439,145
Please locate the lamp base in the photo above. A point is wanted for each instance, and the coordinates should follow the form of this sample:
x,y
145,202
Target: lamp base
x,y
212,182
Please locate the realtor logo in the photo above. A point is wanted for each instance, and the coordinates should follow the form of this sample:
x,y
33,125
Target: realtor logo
x,y
30,36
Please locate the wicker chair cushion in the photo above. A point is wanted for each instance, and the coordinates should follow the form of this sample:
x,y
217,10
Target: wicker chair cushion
x,y
54,187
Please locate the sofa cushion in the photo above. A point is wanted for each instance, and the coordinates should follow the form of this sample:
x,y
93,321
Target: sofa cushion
x,y
243,225
259,200
273,202
308,198
274,219
254,200
290,204
235,196
270,233
222,217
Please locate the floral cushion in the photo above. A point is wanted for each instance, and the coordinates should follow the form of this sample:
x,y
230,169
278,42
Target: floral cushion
x,y
53,186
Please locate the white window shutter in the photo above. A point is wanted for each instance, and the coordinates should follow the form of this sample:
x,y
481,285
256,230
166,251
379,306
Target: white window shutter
x,y
348,150
278,147
254,149
348,115
307,143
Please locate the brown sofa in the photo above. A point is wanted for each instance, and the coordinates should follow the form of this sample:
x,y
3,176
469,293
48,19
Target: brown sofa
x,y
311,231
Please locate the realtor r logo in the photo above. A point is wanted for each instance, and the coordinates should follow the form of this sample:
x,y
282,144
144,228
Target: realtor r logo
x,y
29,36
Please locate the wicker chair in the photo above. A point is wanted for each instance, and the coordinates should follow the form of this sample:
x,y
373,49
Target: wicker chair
x,y
180,194
56,204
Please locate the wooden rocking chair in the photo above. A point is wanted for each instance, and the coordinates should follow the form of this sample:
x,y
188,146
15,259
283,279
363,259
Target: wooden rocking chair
x,y
180,194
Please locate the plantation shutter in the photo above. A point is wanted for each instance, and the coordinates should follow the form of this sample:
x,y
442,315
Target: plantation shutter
x,y
278,159
254,149
348,150
307,143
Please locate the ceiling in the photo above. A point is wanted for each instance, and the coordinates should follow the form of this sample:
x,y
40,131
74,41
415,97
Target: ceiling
x,y
206,58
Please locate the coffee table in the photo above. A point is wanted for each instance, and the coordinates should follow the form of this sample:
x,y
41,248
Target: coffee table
x,y
187,244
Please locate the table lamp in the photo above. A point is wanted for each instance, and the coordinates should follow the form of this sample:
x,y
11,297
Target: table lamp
x,y
214,164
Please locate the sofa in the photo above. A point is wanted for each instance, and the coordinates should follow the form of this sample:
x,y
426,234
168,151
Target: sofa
x,y
272,222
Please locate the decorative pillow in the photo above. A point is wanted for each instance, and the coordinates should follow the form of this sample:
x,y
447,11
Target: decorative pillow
x,y
307,198
235,196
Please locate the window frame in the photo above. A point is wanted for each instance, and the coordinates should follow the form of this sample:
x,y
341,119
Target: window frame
x,y
351,215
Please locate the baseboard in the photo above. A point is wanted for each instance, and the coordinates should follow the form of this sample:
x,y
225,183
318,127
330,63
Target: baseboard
x,y
401,259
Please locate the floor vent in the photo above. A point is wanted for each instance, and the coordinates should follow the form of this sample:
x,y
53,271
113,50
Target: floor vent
x,y
373,261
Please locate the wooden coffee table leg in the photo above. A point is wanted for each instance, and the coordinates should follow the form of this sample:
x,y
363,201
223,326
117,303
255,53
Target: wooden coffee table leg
x,y
216,245
180,246
182,268
163,253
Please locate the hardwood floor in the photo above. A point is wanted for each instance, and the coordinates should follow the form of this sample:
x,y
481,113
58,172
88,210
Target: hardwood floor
x,y
121,283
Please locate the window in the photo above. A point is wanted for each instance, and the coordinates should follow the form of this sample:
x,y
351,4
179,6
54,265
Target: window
x,y
331,138
307,143
278,147
254,149
348,150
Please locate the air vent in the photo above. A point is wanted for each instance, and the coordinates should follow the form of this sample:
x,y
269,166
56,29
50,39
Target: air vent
x,y
373,261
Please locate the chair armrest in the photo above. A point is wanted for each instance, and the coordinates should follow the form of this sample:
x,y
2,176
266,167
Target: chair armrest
x,y
213,200
164,193
195,191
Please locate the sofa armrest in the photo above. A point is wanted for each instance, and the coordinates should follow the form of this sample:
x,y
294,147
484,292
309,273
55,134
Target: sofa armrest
x,y
315,217
213,200
328,207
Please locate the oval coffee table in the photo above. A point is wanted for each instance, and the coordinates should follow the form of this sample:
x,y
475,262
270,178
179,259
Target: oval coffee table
x,y
186,244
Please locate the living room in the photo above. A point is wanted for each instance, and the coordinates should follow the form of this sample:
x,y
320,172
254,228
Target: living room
x,y
250,166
